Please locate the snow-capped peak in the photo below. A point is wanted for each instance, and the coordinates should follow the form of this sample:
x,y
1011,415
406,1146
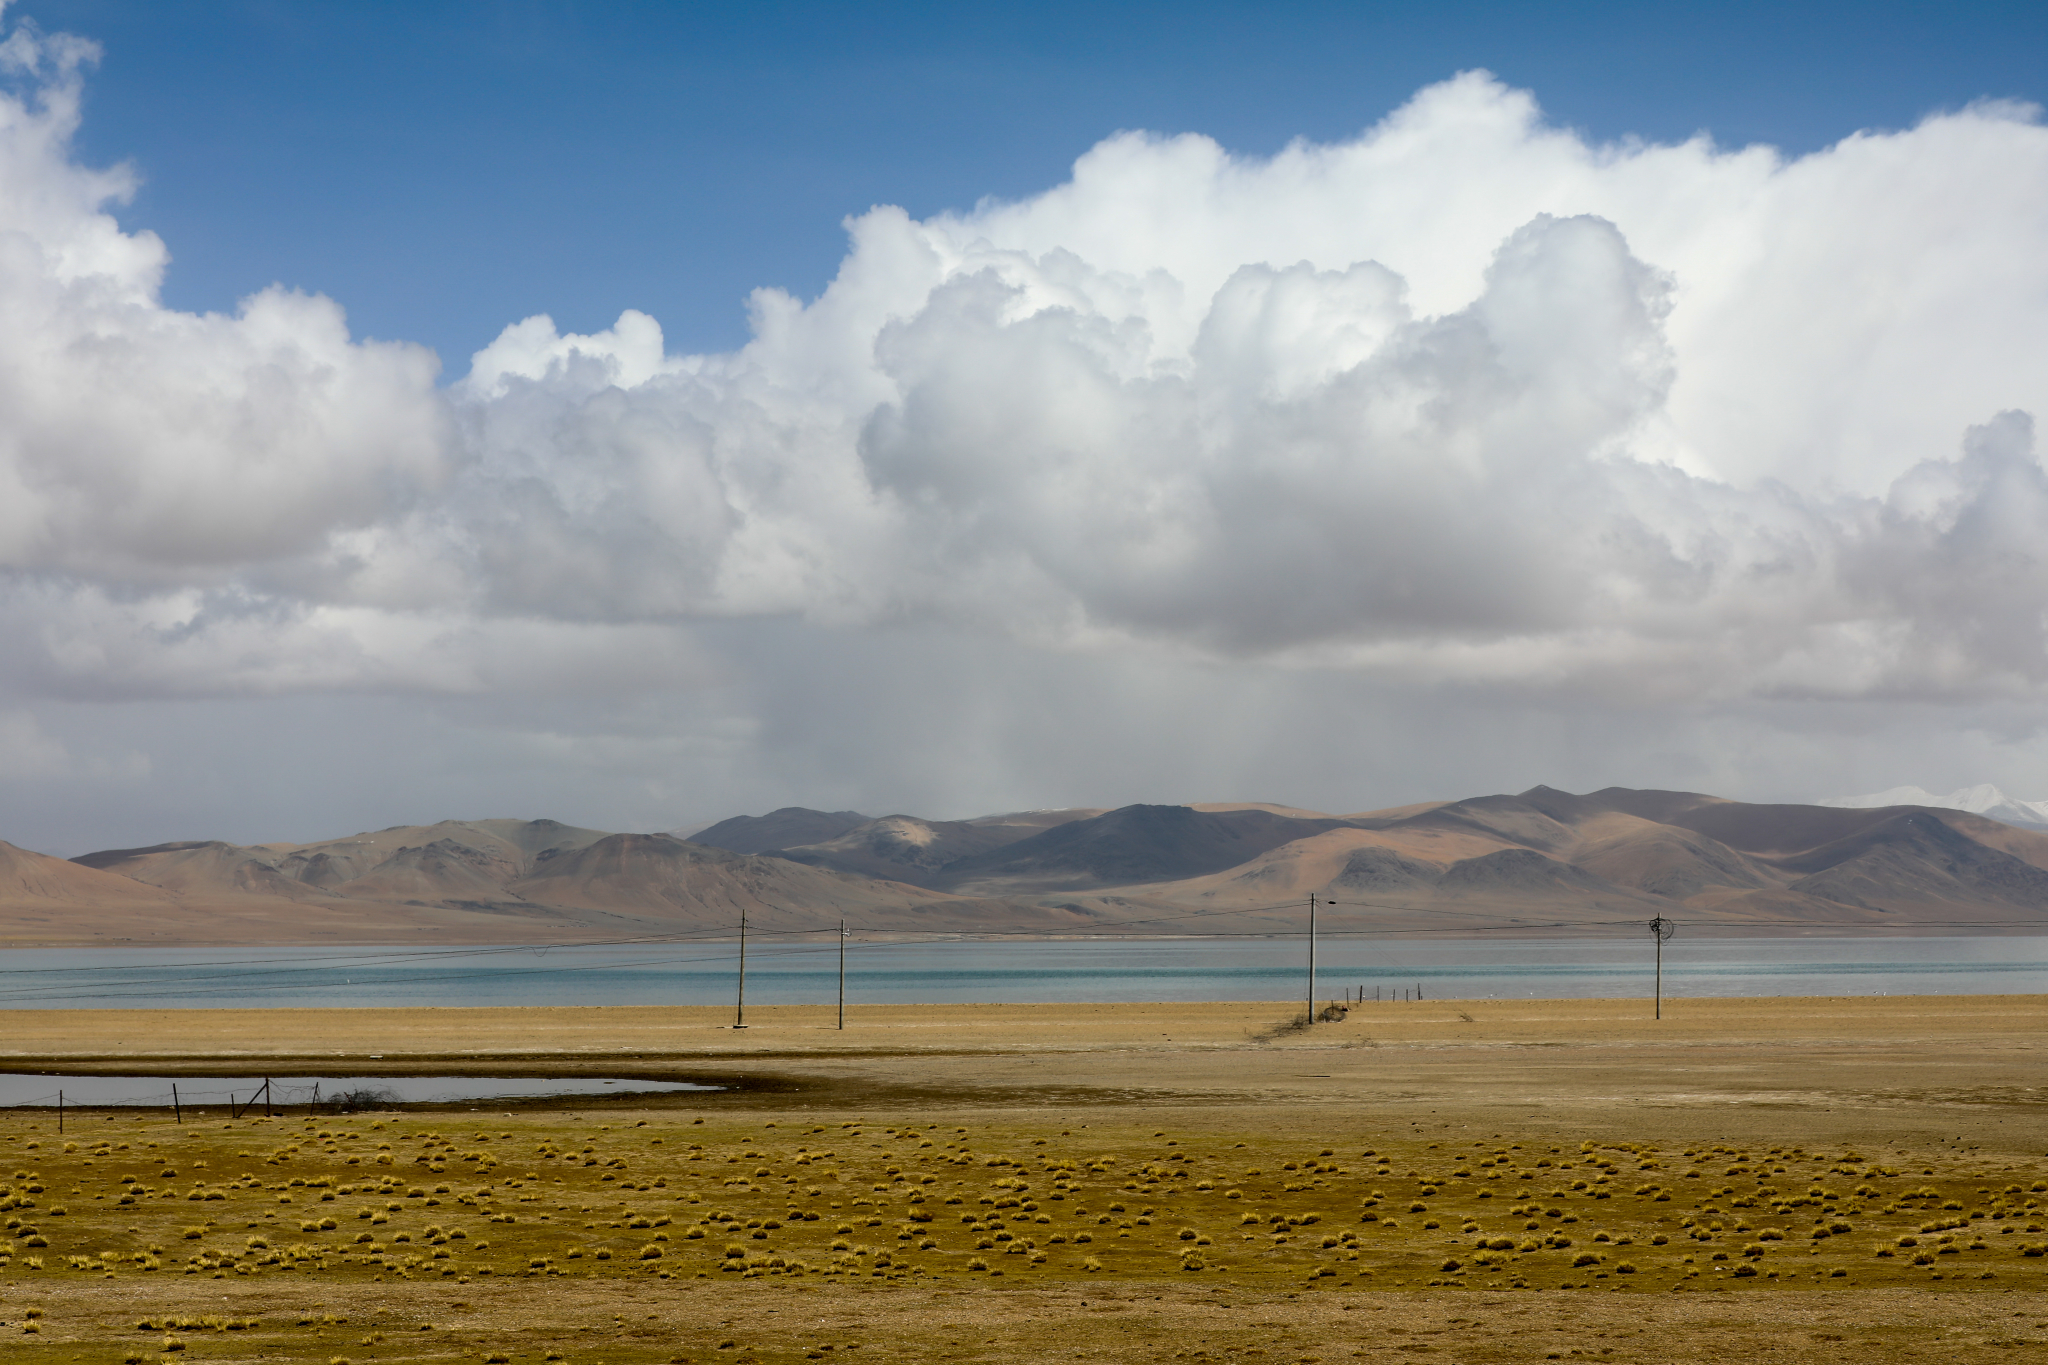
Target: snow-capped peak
x,y
1982,799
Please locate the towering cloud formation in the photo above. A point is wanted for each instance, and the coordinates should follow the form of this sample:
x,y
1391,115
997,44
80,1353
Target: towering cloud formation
x,y
1465,399
150,448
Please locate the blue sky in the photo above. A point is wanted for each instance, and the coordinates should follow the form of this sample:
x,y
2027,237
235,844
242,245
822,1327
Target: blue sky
x,y
444,169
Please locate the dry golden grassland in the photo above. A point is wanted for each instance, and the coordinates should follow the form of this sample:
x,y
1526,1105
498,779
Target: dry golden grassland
x,y
1044,1220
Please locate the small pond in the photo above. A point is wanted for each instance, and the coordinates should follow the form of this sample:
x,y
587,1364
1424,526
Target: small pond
x,y
287,1092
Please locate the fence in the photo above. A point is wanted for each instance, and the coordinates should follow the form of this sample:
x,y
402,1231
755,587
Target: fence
x,y
273,1098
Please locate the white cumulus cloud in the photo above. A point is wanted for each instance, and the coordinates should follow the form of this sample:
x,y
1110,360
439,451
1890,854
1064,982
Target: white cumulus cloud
x,y
145,446
1464,399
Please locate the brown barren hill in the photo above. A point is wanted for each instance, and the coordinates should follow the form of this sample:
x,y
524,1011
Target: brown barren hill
x,y
790,827
204,868
1764,829
453,858
1916,858
453,862
906,849
657,876
1270,807
1129,846
47,901
1037,821
1547,857
446,869
30,881
1333,863
1668,861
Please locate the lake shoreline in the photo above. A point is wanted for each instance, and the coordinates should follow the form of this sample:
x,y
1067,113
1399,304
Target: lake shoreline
x,y
498,1036
1165,971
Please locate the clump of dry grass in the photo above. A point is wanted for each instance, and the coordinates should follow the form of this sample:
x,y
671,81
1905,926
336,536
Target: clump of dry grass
x,y
1286,1028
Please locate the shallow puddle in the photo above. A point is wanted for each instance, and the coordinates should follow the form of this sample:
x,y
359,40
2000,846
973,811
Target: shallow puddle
x,y
295,1092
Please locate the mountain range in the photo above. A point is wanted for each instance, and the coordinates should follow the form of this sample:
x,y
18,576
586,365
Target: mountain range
x,y
1544,858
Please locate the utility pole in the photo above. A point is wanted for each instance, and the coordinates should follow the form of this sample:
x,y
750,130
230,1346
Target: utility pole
x,y
1661,929
739,1018
1311,957
842,974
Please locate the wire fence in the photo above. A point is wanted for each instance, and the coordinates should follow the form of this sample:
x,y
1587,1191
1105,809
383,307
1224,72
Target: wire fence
x,y
272,1097
174,1096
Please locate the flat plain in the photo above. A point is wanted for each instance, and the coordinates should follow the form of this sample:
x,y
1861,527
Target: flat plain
x,y
1829,1179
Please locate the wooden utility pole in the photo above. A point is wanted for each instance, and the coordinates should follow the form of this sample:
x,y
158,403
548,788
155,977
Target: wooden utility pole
x,y
739,1017
842,974
1311,957
1661,929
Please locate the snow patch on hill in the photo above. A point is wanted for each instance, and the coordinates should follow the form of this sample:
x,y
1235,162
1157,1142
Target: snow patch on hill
x,y
1982,799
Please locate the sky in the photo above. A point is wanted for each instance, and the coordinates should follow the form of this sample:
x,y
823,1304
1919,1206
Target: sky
x,y
641,414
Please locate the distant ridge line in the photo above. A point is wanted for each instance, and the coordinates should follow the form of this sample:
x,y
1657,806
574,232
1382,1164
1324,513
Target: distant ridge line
x,y
1543,856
